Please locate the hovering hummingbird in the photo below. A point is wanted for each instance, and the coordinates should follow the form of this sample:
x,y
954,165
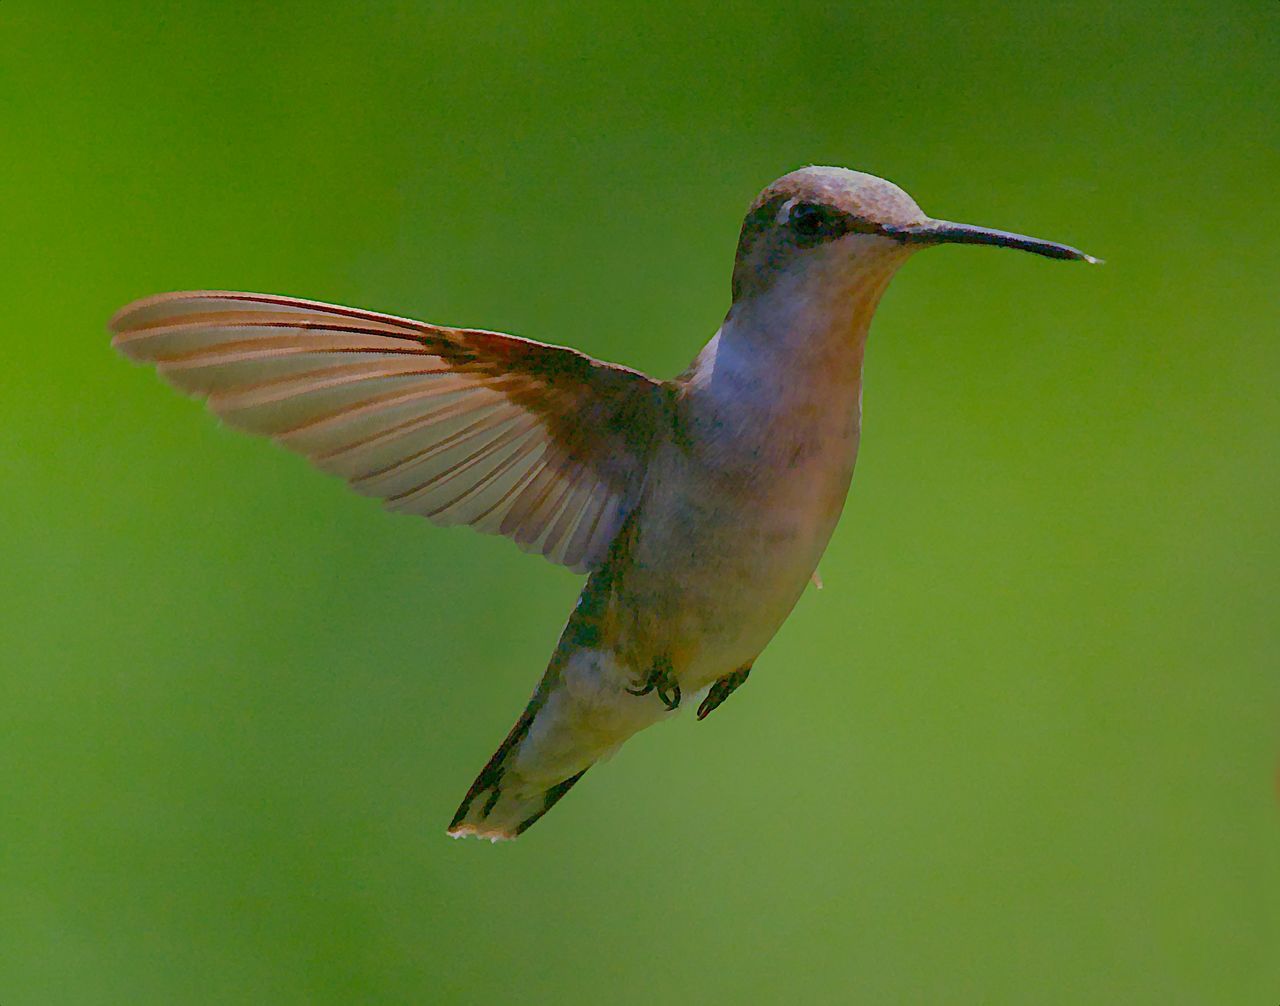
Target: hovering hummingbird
x,y
699,506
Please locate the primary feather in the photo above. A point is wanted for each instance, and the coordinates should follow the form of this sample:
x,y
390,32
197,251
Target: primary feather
x,y
540,443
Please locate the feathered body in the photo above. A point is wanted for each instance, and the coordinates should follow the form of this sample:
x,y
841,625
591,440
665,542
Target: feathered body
x,y
742,493
699,506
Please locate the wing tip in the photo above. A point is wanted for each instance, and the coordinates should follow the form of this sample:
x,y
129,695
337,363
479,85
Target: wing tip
x,y
127,318
117,323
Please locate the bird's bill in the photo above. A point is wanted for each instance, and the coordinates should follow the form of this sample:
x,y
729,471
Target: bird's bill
x,y
947,232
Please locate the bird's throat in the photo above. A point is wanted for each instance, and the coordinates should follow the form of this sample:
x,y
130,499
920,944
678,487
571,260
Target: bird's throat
x,y
802,338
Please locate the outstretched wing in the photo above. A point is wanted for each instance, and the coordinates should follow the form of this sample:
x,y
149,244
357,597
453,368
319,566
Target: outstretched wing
x,y
509,436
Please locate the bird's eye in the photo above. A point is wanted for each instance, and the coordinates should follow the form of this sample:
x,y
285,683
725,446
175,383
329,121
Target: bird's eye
x,y
810,221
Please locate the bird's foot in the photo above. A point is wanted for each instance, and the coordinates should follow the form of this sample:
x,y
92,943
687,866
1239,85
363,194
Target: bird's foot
x,y
661,680
722,689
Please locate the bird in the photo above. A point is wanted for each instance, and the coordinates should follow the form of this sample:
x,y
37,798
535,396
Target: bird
x,y
698,506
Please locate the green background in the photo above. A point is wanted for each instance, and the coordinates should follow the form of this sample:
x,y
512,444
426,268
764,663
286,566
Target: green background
x,y
1022,748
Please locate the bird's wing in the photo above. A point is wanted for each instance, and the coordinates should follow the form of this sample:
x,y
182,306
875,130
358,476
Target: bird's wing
x,y
514,437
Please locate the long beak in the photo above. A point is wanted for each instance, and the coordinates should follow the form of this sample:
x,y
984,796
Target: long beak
x,y
946,232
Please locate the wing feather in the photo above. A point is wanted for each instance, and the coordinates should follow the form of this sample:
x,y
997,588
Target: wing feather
x,y
506,435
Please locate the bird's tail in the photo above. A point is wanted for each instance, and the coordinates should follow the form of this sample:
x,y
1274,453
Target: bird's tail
x,y
583,710
517,787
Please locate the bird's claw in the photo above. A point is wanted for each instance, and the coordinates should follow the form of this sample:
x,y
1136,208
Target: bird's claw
x,y
662,681
722,689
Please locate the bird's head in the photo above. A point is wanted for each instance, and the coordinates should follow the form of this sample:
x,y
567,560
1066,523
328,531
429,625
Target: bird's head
x,y
836,227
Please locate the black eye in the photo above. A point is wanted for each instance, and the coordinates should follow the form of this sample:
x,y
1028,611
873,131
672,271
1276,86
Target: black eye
x,y
811,221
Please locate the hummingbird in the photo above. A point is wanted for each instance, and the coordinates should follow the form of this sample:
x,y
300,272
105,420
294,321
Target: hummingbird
x,y
697,506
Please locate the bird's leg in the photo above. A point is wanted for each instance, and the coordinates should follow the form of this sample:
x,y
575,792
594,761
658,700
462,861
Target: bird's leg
x,y
662,680
722,689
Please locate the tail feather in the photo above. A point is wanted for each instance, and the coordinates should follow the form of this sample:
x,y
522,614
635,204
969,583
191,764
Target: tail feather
x,y
583,710
502,802
527,775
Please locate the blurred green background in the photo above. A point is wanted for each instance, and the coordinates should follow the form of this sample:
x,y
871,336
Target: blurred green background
x,y
1022,748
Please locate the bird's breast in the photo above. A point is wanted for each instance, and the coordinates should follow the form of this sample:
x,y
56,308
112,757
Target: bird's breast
x,y
735,519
